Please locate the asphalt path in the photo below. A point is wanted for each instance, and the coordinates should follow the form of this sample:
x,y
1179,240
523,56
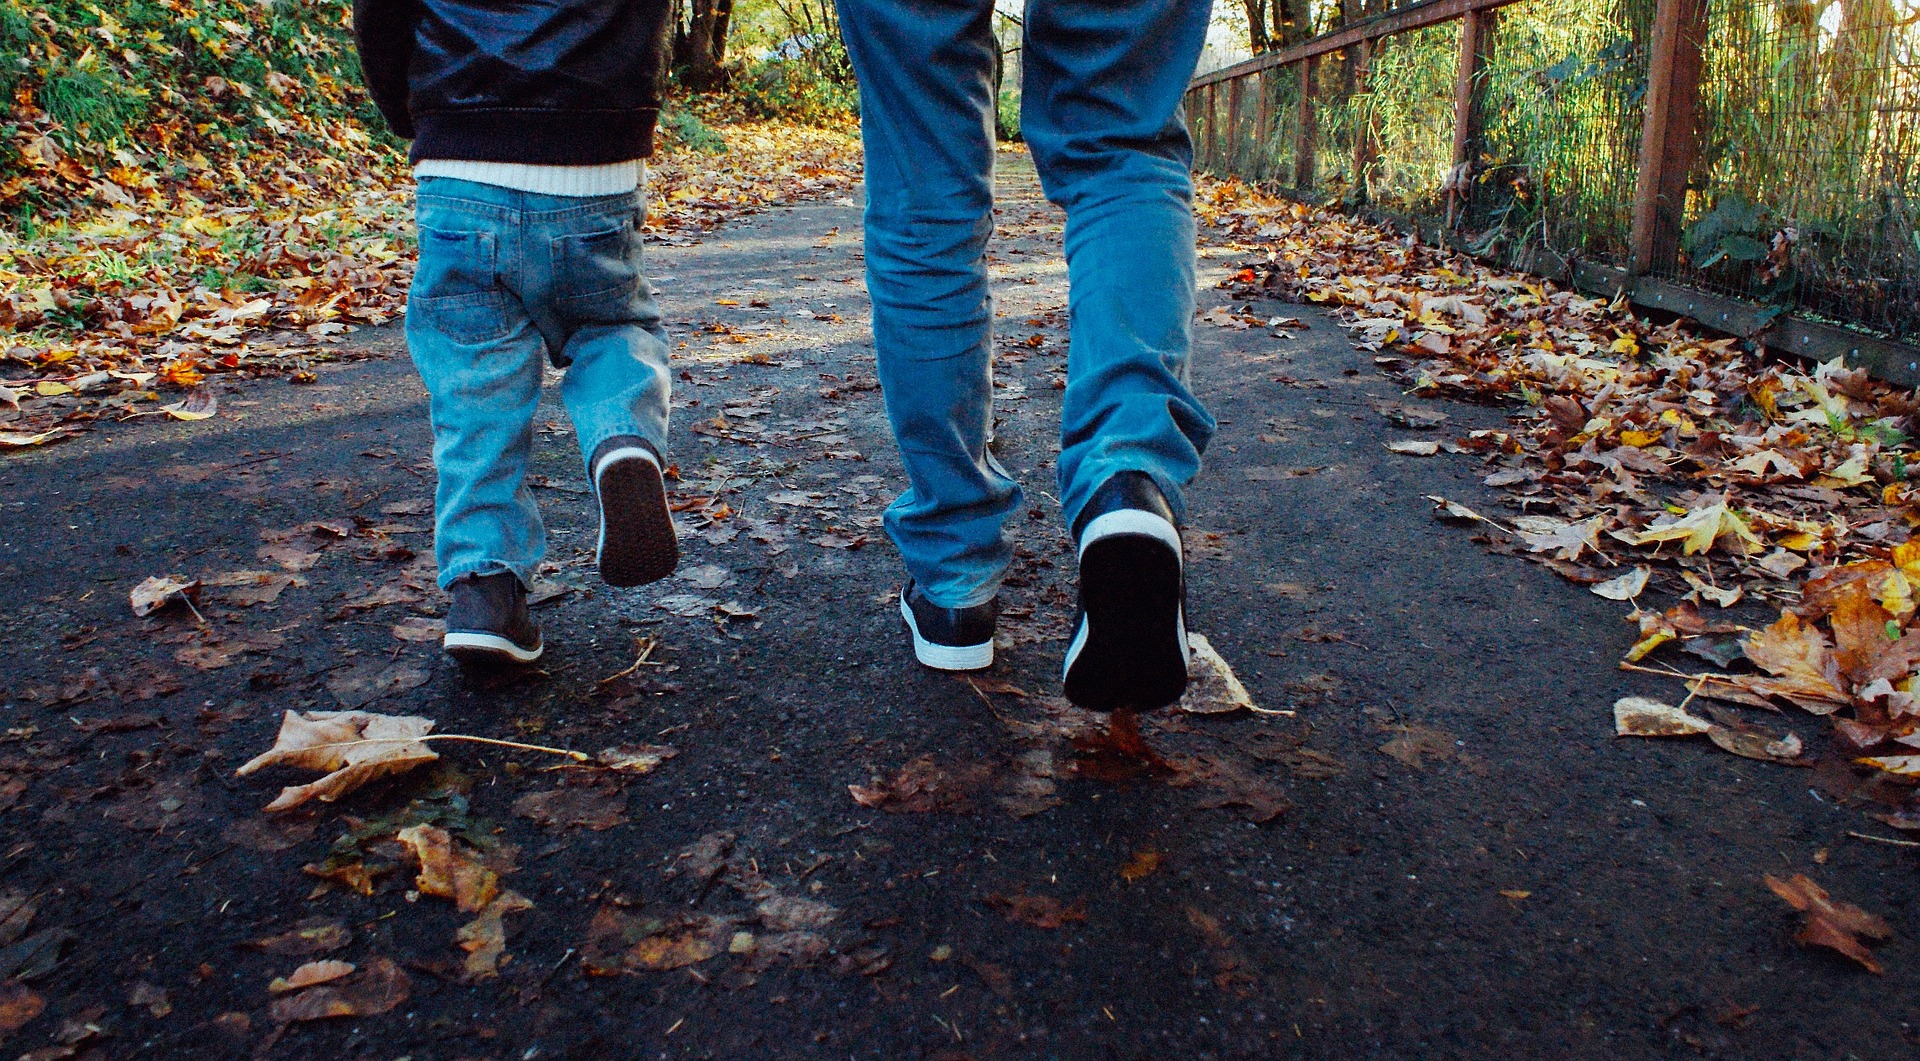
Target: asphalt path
x,y
1468,864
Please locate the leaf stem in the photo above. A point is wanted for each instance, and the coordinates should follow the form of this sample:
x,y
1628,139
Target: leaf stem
x,y
579,757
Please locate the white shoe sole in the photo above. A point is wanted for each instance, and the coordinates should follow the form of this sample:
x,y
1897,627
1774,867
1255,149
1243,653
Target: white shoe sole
x,y
946,657
466,645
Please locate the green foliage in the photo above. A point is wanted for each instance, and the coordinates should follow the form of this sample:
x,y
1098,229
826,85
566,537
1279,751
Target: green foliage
x,y
683,128
794,90
1007,118
149,84
1736,230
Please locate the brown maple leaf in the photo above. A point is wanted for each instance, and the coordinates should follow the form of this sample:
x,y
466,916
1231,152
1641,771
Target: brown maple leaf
x,y
355,746
1830,923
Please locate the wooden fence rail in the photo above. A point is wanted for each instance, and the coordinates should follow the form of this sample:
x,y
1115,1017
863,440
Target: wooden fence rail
x,y
1669,143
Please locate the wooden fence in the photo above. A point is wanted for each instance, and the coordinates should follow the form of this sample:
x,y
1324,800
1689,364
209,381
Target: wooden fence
x,y
1267,119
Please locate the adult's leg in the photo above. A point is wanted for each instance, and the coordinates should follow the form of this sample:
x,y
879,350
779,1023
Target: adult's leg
x,y
1102,84
926,116
479,356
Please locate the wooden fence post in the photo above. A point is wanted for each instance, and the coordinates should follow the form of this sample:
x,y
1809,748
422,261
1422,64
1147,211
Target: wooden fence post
x,y
1360,55
1262,125
1307,148
1469,95
1669,140
1232,163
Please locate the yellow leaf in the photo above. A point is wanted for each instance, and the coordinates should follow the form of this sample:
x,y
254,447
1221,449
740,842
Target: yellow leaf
x,y
1626,345
48,388
1648,643
1639,439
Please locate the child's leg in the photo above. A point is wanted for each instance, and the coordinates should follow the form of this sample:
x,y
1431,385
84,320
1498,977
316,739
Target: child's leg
x,y
479,355
604,328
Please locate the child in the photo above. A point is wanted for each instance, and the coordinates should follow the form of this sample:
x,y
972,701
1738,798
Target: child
x,y
529,123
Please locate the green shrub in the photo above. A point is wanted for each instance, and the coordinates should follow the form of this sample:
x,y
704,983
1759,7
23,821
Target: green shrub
x,y
794,90
680,127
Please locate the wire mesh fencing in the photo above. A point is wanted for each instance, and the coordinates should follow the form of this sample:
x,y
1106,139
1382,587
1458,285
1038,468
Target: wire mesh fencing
x,y
1801,190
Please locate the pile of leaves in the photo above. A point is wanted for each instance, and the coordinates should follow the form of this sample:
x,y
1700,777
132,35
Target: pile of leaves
x,y
1642,452
197,189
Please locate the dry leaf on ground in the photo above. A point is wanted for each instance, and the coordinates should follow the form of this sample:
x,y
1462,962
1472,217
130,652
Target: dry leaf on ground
x,y
310,975
155,593
1829,922
1638,716
377,988
18,1005
595,809
357,747
1416,745
447,870
1212,688
485,937
1039,911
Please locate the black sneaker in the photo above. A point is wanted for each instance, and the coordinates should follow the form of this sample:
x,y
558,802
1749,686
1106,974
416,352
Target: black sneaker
x,y
636,545
488,621
949,638
1129,645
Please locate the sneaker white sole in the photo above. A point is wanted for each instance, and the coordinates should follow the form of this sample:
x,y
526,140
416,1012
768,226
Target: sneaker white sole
x,y
946,657
642,549
467,645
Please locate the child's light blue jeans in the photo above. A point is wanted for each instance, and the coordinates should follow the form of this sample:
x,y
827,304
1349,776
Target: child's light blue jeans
x,y
1102,83
507,278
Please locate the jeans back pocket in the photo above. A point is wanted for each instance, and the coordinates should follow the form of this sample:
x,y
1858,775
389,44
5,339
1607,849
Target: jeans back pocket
x,y
597,274
456,288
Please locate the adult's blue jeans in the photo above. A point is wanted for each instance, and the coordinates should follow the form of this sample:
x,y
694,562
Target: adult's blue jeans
x,y
1101,87
506,280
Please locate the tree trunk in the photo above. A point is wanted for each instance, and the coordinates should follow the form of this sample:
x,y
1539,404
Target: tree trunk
x,y
1292,22
722,19
1257,25
706,44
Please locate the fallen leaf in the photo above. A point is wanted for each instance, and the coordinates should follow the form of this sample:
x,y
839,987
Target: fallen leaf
x,y
596,809
1119,753
634,758
1039,911
1212,688
783,913
377,988
1624,587
1141,865
155,593
1416,744
356,747
18,1005
418,630
152,996
311,974
199,405
448,871
370,681
485,937
922,786
1637,716
1415,447
311,937
1566,540
1830,923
